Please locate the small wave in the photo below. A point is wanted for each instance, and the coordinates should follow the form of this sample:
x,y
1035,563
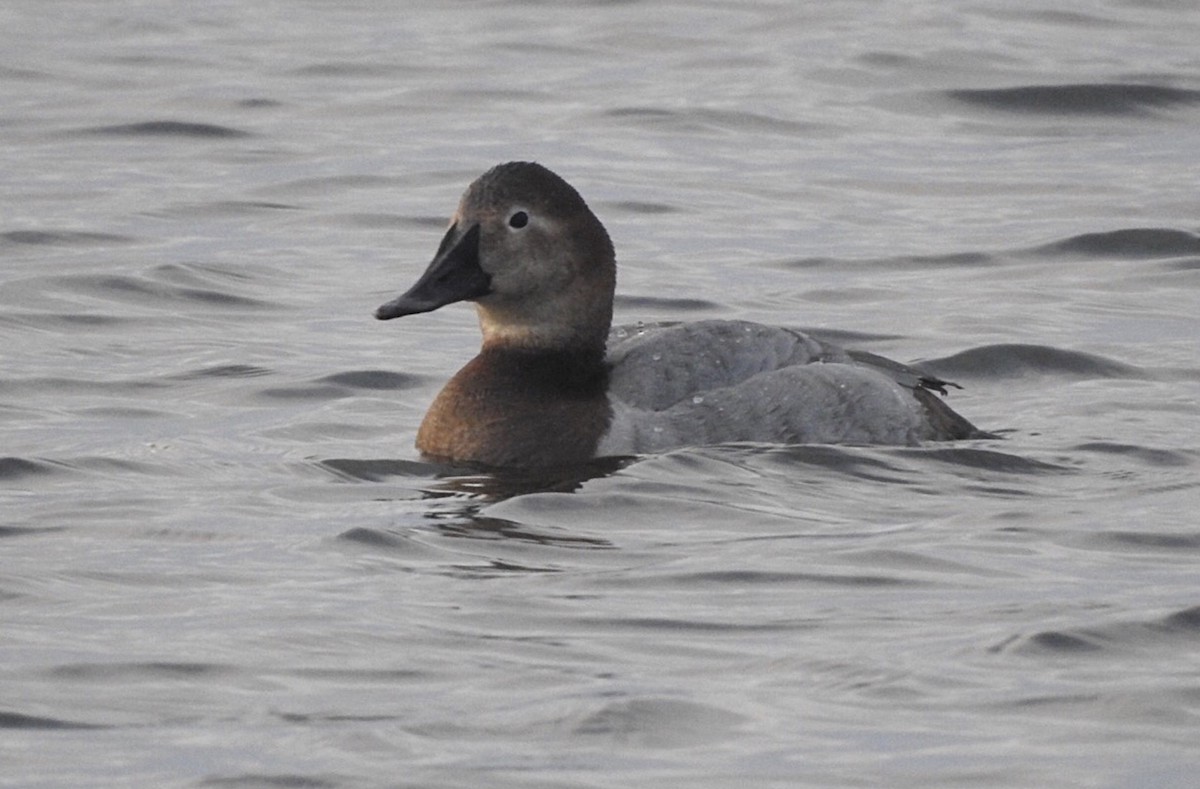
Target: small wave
x,y
302,392
270,780
1149,455
640,207
21,531
63,238
746,578
63,320
473,526
259,103
1180,628
858,462
17,720
1011,360
374,469
224,371
323,184
375,538
349,68
475,485
972,259
1185,621
652,303
38,386
373,379
1134,242
1106,98
658,723
139,288
224,208
701,120
139,671
167,128
471,487
1062,642
951,260
334,386
975,457
367,219
10,74
1144,541
14,468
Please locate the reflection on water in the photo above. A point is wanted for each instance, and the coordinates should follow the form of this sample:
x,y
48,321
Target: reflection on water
x,y
477,483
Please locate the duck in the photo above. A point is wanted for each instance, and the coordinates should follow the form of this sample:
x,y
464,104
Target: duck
x,y
554,383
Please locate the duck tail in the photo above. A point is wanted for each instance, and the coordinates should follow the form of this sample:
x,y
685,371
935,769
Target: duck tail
x,y
948,425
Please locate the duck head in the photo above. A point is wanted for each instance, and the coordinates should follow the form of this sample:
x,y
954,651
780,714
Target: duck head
x,y
527,250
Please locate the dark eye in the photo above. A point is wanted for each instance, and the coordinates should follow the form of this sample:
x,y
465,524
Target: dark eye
x,y
518,220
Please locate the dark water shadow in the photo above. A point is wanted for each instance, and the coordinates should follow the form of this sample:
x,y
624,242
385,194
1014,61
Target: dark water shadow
x,y
1179,629
458,495
167,128
980,458
656,304
496,484
64,238
253,780
701,120
1112,99
1142,243
465,522
472,482
168,286
482,527
1131,243
462,492
1014,360
17,720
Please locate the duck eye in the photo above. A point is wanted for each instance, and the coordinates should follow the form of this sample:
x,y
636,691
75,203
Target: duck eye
x,y
518,220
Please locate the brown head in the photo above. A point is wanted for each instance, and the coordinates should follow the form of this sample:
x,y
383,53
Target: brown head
x,y
525,247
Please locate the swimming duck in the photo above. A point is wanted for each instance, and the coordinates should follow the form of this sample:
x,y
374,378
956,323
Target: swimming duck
x,y
554,384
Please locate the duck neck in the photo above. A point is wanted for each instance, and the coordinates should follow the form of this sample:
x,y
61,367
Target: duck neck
x,y
533,368
581,331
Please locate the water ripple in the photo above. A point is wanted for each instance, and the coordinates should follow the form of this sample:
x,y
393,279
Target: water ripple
x,y
697,119
64,238
272,781
1148,455
659,723
168,128
662,303
373,469
224,371
143,289
1012,360
1178,629
1134,242
138,671
1115,99
14,468
373,379
16,720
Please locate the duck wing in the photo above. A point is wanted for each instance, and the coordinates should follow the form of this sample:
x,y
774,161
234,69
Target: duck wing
x,y
659,365
903,374
944,421
718,381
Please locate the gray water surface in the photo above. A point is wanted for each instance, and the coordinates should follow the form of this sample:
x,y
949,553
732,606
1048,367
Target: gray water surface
x,y
223,564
